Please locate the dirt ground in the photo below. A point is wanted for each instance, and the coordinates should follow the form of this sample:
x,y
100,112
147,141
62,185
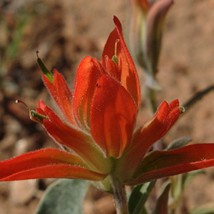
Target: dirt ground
x,y
64,32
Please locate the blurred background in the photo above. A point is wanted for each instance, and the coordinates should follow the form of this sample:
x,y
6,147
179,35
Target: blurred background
x,y
64,32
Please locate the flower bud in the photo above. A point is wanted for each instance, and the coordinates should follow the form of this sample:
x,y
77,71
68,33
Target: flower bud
x,y
147,21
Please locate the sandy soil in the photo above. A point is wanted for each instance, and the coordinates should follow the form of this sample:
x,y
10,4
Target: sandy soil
x,y
64,33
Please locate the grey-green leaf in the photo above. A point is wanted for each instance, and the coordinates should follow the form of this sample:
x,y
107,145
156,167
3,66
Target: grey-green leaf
x,y
64,197
138,198
178,143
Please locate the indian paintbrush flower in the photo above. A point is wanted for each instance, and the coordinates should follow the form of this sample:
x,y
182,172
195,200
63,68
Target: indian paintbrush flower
x,y
96,128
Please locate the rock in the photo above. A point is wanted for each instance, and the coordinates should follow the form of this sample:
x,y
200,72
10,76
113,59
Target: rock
x,y
102,206
21,192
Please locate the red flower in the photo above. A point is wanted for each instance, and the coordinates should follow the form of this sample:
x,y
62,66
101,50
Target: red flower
x,y
97,127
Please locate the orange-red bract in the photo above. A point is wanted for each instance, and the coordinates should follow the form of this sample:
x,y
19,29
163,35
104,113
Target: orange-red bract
x,y
96,127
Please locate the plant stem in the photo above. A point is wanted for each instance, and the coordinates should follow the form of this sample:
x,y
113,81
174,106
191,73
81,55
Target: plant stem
x,y
198,96
119,195
150,95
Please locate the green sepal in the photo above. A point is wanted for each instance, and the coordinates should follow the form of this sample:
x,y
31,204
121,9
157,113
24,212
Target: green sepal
x,y
115,59
44,69
35,116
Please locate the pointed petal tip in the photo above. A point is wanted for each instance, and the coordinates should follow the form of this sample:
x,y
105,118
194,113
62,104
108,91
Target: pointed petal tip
x,y
172,108
174,103
115,19
159,164
117,23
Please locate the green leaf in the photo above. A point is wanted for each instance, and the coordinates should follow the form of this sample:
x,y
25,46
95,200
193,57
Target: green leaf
x,y
138,198
206,209
187,178
178,184
180,181
64,197
177,187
